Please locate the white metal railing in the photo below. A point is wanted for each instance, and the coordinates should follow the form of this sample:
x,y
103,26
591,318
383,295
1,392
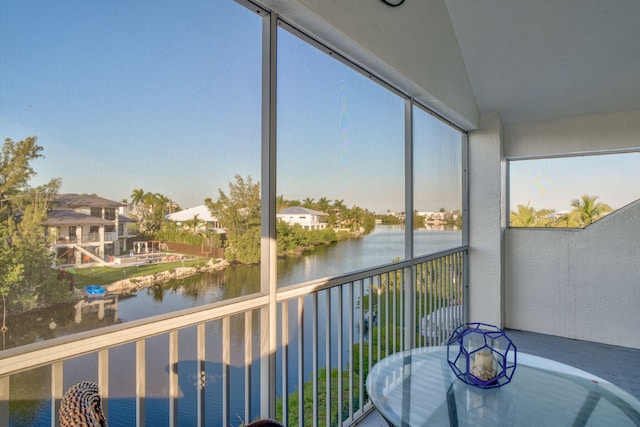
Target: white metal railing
x,y
330,333
92,237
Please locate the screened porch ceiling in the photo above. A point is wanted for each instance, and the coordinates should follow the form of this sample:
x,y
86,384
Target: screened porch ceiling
x,y
527,60
541,60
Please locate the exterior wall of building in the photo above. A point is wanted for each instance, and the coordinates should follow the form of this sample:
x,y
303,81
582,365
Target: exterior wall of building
x,y
486,288
582,284
308,222
99,239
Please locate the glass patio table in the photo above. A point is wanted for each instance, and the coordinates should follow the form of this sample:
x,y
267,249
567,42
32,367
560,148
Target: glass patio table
x,y
418,388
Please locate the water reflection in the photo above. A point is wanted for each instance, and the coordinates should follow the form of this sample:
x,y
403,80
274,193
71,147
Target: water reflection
x,y
381,247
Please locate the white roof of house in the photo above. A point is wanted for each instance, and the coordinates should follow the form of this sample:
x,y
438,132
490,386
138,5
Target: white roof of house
x,y
299,210
184,215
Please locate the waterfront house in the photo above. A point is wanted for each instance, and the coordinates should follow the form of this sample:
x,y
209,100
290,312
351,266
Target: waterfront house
x,y
200,213
87,228
519,80
309,219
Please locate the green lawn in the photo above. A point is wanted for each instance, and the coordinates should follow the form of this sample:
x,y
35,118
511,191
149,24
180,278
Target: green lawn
x,y
106,275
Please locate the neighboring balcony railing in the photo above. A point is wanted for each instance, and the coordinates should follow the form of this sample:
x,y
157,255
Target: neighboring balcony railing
x,y
222,366
92,237
66,240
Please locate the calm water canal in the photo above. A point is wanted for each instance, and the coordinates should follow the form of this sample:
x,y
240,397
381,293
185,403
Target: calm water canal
x,y
384,245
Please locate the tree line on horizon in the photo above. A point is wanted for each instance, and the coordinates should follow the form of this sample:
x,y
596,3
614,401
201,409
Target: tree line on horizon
x,y
28,269
29,274
239,212
585,210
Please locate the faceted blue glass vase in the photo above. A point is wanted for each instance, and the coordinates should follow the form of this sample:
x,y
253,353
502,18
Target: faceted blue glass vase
x,y
481,355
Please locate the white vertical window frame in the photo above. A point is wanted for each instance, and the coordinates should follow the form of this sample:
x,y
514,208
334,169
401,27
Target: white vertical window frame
x,y
465,225
268,282
409,285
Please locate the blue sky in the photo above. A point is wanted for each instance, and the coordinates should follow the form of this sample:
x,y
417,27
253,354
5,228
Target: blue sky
x,y
126,95
554,183
347,141
165,96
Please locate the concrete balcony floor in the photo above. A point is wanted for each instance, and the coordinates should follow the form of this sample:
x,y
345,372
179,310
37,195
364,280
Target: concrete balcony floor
x,y
618,365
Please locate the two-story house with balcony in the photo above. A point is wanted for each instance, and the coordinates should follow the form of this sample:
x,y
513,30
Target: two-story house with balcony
x,y
309,219
87,228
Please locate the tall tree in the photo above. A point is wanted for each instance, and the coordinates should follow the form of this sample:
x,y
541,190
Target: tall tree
x,y
239,213
15,165
150,210
137,196
26,275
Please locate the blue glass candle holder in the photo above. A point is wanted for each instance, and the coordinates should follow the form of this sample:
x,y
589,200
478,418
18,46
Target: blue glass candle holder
x,y
481,355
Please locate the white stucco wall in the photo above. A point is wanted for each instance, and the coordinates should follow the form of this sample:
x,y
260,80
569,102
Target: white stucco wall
x,y
612,131
413,46
576,284
486,296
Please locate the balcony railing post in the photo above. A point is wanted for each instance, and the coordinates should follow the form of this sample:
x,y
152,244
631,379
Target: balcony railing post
x,y
226,370
173,378
285,361
327,331
301,345
465,285
141,382
103,379
4,401
57,391
202,378
409,307
248,360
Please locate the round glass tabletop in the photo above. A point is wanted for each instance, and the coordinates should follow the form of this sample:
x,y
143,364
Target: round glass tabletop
x,y
418,388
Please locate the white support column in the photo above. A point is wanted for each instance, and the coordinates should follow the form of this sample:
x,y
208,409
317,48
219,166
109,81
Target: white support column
x,y
486,231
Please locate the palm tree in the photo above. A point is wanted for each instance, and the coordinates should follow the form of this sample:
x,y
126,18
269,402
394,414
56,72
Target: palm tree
x,y
194,224
137,196
323,204
163,202
524,217
281,203
309,203
528,216
588,210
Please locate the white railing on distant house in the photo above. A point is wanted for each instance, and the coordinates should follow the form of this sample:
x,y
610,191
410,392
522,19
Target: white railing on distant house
x,y
92,237
66,240
339,326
